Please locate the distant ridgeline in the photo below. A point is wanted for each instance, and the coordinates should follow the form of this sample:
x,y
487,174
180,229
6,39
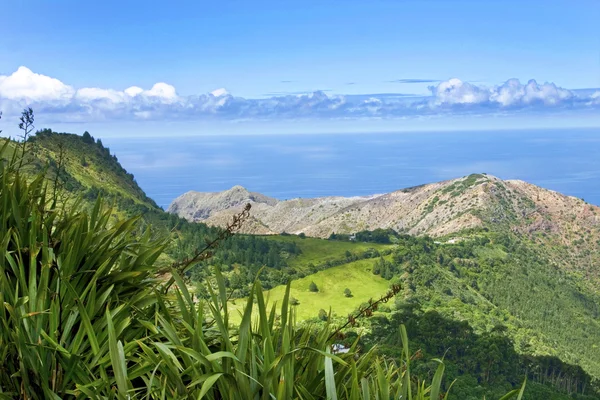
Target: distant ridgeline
x,y
496,302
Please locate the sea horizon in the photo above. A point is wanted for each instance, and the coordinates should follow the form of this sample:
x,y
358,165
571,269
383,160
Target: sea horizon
x,y
317,165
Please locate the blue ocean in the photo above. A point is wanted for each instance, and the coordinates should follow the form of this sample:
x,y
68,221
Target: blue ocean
x,y
310,165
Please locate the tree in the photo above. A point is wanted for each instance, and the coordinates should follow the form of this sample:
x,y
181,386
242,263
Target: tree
x,y
385,272
323,315
313,287
347,292
235,280
294,301
83,161
376,268
87,138
302,235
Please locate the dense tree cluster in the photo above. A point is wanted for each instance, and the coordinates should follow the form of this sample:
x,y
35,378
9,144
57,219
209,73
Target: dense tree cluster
x,y
485,365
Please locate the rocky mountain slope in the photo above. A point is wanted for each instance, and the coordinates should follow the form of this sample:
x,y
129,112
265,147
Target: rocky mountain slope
x,y
435,209
567,227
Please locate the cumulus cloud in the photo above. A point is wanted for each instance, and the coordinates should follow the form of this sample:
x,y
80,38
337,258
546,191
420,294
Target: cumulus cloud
x,y
134,91
219,92
510,94
48,95
91,94
455,91
595,98
161,91
27,85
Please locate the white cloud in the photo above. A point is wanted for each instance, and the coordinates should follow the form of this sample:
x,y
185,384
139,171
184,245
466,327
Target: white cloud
x,y
24,84
90,94
455,91
50,96
162,91
219,92
510,94
134,91
595,98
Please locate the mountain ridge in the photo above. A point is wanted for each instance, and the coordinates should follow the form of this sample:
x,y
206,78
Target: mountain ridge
x,y
442,201
564,227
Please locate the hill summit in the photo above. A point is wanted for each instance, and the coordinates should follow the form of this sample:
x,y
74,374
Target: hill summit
x,y
436,209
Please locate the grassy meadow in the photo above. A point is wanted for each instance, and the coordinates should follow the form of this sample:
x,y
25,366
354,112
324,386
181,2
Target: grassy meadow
x,y
318,251
356,276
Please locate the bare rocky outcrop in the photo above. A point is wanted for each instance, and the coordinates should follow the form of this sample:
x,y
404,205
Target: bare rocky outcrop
x,y
436,209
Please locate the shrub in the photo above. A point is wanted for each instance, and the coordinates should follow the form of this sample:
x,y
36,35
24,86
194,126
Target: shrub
x,y
323,315
313,287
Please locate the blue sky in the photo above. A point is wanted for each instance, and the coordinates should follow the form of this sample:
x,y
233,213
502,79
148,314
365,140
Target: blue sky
x,y
263,61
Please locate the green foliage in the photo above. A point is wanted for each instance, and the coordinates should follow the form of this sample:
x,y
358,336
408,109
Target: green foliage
x,y
61,272
319,252
265,357
313,287
249,254
323,315
347,292
381,236
483,364
102,175
87,138
460,186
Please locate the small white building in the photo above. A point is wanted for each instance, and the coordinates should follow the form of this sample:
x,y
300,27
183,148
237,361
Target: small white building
x,y
339,349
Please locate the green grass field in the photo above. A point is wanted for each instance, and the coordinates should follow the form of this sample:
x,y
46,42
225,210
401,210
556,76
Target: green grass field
x,y
318,251
356,276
